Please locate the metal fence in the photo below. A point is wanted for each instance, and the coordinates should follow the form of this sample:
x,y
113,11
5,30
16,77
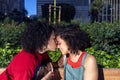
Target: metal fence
x,y
110,11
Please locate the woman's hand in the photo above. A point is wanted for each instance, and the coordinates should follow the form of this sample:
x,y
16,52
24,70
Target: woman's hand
x,y
49,75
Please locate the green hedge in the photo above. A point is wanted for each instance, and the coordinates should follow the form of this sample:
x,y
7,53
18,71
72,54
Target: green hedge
x,y
104,36
6,54
105,40
105,60
10,33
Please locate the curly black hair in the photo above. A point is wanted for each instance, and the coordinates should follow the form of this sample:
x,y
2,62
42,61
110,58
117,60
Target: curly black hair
x,y
75,38
36,35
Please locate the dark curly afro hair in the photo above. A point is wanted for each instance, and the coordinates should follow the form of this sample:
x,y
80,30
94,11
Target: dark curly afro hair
x,y
75,38
36,35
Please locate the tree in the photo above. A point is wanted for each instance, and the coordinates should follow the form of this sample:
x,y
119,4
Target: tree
x,y
96,7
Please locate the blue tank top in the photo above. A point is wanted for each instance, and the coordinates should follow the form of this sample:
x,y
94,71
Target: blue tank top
x,y
74,73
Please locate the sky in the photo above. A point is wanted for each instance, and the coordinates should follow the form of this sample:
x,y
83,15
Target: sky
x,y
30,6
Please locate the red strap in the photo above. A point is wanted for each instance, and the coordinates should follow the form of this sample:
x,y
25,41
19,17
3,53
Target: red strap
x,y
76,64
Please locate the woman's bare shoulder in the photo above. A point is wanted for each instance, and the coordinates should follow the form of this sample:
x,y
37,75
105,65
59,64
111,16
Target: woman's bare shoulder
x,y
91,69
90,60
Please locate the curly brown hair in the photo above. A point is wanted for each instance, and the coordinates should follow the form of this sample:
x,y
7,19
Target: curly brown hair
x,y
75,38
36,35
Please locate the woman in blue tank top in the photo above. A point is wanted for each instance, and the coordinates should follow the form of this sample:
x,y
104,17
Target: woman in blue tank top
x,y
78,65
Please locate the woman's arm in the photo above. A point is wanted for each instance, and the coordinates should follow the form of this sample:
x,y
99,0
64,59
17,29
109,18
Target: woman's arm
x,y
91,69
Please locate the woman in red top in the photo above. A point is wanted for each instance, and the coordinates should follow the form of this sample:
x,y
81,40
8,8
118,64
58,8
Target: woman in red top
x,y
36,39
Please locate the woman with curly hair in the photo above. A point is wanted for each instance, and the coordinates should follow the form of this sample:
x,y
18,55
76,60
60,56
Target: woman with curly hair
x,y
78,64
36,40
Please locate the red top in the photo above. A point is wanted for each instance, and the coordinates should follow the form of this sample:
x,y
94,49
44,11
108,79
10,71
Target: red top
x,y
23,66
76,64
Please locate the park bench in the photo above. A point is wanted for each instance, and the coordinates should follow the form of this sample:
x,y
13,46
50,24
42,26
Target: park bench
x,y
104,73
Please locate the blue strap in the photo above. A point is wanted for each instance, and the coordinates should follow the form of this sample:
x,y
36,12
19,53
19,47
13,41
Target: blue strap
x,y
82,66
35,73
83,59
65,64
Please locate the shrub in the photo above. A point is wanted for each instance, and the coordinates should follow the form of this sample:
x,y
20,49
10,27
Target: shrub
x,y
105,40
105,60
10,33
104,36
6,54
54,55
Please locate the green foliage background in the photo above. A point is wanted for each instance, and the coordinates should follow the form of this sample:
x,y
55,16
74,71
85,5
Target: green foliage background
x,y
10,32
104,36
105,40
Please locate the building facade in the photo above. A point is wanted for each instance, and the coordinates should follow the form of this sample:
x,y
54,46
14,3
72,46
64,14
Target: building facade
x,y
82,8
7,6
110,11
